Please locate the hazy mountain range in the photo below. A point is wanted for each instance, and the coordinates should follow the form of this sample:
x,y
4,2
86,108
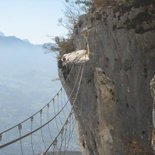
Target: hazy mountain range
x,y
26,74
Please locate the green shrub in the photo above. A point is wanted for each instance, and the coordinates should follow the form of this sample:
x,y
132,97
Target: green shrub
x,y
64,45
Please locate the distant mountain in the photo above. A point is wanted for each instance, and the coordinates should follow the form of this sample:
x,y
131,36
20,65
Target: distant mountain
x,y
12,41
8,43
26,40
2,34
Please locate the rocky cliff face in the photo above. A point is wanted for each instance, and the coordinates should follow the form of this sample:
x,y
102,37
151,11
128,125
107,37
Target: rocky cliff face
x,y
114,105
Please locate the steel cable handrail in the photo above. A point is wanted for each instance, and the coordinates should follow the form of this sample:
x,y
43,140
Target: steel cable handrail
x,y
17,139
43,106
77,92
30,116
44,153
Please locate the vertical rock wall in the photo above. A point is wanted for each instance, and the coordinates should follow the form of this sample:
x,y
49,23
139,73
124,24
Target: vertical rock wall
x,y
114,105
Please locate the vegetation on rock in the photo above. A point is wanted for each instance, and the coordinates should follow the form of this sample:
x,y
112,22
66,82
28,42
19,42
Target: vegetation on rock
x,y
75,8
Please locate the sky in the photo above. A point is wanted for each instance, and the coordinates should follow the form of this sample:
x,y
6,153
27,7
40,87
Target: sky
x,y
35,20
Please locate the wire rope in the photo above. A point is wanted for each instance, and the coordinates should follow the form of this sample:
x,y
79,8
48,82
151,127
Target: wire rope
x,y
59,105
41,130
32,147
35,130
49,130
28,117
21,146
56,123
41,125
44,153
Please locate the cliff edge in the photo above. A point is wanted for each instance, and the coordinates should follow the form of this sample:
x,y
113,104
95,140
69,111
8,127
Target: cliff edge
x,y
114,105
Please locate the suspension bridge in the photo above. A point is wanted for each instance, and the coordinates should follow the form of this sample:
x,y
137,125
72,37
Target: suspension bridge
x,y
52,126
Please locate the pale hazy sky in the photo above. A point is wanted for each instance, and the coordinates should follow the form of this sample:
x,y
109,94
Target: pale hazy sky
x,y
31,19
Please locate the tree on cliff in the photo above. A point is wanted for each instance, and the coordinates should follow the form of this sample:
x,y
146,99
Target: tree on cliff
x,y
74,9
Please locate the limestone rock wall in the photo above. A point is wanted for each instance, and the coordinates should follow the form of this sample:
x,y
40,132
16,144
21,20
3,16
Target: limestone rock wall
x,y
114,105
